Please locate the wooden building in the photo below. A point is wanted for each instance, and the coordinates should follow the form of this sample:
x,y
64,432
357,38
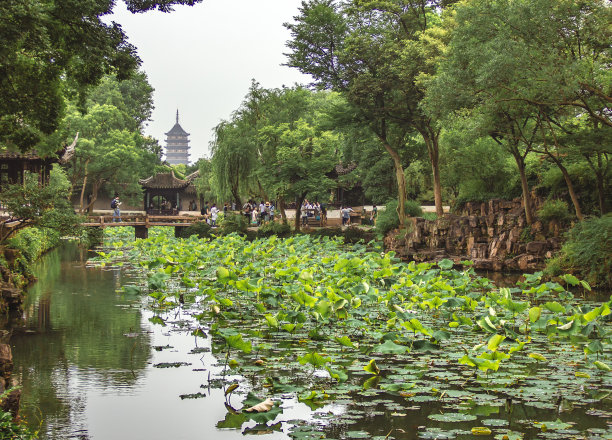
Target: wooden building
x,y
13,167
166,194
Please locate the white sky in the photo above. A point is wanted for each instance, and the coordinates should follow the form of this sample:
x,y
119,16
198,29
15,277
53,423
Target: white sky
x,y
201,60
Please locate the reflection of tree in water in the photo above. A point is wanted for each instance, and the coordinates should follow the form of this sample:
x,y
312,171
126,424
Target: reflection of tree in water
x,y
75,339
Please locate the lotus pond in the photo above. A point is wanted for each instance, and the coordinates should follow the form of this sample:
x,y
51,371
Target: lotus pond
x,y
375,347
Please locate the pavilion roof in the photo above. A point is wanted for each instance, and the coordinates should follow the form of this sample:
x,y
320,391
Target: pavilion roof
x,y
164,181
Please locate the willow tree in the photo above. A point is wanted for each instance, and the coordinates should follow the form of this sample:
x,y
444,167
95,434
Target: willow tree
x,y
357,48
233,160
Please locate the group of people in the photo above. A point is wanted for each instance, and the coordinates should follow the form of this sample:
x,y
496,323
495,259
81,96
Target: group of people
x,y
258,214
313,210
211,214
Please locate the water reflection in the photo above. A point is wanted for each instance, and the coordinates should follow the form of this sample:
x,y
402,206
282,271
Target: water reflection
x,y
73,340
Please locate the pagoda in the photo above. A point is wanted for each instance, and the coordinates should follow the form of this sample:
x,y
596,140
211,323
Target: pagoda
x,y
177,144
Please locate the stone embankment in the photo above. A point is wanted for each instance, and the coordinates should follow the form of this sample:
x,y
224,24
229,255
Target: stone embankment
x,y
12,282
493,234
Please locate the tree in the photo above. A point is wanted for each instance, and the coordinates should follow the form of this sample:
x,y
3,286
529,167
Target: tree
x,y
133,97
30,204
374,52
107,153
56,47
524,86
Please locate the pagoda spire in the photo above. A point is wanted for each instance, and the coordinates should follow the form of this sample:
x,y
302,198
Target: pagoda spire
x,y
177,115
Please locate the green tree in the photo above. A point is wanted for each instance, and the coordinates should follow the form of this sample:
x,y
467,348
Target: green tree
x,y
522,87
107,153
30,204
374,52
50,48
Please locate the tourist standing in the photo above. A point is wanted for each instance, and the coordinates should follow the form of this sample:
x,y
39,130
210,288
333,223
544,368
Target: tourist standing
x,y
214,212
115,203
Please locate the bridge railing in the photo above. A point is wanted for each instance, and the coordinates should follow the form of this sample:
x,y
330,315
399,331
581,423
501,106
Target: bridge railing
x,y
140,220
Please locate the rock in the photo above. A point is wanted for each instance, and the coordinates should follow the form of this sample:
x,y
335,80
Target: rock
x,y
536,247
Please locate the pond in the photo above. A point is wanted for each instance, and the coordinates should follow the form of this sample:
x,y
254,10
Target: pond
x,y
86,361
98,359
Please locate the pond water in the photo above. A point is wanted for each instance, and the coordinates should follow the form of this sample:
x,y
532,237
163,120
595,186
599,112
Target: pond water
x,y
86,361
93,365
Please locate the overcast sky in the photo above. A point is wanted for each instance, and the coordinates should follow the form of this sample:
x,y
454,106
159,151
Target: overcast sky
x,y
201,60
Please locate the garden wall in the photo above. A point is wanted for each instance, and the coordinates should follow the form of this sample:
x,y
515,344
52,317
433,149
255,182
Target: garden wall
x,y
493,234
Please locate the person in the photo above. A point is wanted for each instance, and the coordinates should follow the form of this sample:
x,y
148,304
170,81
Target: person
x,y
214,212
115,203
272,212
204,210
262,213
346,215
317,211
225,208
373,215
254,215
247,211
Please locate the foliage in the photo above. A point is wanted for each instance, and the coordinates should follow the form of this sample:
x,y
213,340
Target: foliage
x,y
281,230
36,205
200,229
9,430
587,250
388,219
32,242
54,49
554,210
233,223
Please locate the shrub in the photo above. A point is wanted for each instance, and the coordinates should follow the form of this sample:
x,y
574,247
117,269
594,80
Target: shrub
x,y
274,228
91,237
234,223
11,430
388,218
201,229
33,242
554,210
587,251
355,235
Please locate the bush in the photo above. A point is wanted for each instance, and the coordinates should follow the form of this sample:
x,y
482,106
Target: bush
x,y
201,229
274,228
587,251
14,431
355,235
234,223
91,237
33,242
388,218
554,210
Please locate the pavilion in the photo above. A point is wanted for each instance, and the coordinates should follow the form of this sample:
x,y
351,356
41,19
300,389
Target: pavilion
x,y
164,193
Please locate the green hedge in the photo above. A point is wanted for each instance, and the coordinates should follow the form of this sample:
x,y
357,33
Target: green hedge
x,y
33,242
587,251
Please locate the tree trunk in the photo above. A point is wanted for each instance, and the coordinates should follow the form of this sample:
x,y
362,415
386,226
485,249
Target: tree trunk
x,y
401,182
431,140
281,207
94,196
570,186
520,163
83,188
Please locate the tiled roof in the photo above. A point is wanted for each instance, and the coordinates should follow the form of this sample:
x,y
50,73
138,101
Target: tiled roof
x,y
164,181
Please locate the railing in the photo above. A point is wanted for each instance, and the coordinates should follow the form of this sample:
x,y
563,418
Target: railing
x,y
141,220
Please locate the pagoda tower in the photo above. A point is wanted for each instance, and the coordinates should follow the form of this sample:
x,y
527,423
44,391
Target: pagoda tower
x,y
177,144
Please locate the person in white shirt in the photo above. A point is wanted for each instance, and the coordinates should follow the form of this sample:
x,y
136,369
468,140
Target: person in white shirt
x,y
214,212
